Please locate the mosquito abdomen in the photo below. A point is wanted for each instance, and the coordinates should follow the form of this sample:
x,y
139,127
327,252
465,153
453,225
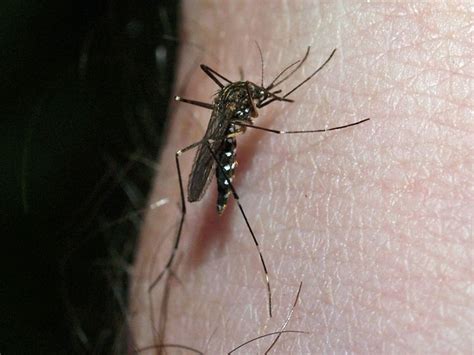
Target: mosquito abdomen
x,y
225,174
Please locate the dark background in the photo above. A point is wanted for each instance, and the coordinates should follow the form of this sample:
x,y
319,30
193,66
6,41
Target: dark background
x,y
84,93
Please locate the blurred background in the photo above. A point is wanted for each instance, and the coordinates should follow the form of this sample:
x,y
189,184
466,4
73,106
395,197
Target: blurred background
x,y
85,87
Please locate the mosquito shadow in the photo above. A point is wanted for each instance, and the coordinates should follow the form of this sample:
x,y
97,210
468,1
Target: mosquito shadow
x,y
214,230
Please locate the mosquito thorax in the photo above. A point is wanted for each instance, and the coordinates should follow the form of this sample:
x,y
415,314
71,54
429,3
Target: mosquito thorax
x,y
241,98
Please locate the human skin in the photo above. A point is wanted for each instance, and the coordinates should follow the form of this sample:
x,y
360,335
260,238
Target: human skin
x,y
375,220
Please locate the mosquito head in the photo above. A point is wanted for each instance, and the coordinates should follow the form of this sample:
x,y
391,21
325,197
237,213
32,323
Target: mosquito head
x,y
258,93
261,96
245,98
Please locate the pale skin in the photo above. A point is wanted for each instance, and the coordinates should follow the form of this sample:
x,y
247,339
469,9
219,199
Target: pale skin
x,y
376,220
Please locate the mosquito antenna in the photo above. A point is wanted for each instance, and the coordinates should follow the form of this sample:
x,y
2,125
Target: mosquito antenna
x,y
309,77
299,62
261,61
269,87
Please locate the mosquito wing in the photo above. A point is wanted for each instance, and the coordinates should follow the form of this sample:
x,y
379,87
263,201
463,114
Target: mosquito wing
x,y
204,163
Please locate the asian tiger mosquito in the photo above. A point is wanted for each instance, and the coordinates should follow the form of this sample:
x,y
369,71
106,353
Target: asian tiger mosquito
x,y
233,110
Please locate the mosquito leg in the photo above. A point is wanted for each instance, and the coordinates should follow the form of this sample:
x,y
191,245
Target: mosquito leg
x,y
194,102
237,199
279,333
283,327
213,75
305,131
283,98
313,74
299,63
183,214
303,82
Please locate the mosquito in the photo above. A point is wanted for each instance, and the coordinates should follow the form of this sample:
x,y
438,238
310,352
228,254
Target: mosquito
x,y
234,108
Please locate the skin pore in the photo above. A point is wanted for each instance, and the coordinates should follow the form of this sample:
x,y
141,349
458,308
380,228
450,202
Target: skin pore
x,y
375,220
